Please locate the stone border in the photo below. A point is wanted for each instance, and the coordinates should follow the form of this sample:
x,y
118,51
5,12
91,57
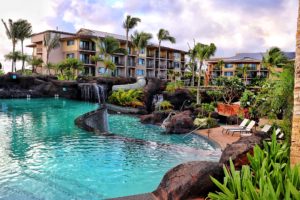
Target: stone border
x,y
124,110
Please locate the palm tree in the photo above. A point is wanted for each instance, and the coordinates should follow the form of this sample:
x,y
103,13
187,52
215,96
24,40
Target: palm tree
x,y
204,52
273,58
244,72
107,48
24,32
12,32
128,24
140,41
50,43
163,35
35,62
14,57
192,64
295,139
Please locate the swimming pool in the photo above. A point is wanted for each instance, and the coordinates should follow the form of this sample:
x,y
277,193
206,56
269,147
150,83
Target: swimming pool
x,y
43,155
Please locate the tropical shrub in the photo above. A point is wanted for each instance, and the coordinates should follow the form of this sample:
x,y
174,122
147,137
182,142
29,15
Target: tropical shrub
x,y
215,95
247,99
165,105
173,86
2,72
130,98
205,122
232,88
269,176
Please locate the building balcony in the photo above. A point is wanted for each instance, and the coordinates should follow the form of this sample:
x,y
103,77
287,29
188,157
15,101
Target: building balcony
x,y
151,54
152,66
39,50
163,66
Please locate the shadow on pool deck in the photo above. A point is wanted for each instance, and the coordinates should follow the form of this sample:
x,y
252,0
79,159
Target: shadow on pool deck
x,y
215,134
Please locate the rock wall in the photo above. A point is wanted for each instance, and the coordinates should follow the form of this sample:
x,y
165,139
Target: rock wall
x,y
95,121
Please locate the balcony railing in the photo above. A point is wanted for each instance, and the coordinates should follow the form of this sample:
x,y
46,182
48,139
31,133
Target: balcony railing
x,y
163,66
150,54
150,65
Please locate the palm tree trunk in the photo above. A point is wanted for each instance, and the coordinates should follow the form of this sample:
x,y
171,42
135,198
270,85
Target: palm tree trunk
x,y
193,75
295,139
199,83
126,56
12,61
23,59
158,68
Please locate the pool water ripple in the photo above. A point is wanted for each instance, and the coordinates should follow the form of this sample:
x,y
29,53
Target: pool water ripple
x,y
43,155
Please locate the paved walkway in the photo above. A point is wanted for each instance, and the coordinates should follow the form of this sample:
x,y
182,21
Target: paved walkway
x,y
216,135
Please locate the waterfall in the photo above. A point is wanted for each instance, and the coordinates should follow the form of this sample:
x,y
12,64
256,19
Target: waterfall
x,y
157,99
93,92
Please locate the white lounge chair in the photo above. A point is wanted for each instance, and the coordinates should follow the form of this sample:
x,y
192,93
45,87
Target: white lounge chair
x,y
246,131
266,128
279,134
241,126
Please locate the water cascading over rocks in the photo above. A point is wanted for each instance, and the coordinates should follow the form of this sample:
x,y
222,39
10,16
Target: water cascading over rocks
x,y
93,92
95,120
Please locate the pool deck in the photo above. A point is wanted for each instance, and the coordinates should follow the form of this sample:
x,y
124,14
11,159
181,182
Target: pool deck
x,y
215,134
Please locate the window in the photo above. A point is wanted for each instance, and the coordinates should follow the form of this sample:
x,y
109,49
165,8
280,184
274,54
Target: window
x,y
70,55
177,55
252,66
176,65
139,72
142,51
141,61
228,73
101,70
240,65
228,65
84,58
70,42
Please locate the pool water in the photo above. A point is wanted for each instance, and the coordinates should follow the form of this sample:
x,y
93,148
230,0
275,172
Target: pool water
x,y
43,155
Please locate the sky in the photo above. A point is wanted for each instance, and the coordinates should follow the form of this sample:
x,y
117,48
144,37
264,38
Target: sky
x,y
234,26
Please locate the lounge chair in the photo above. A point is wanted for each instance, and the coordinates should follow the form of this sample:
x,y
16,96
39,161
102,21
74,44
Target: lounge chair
x,y
279,134
266,128
246,131
241,126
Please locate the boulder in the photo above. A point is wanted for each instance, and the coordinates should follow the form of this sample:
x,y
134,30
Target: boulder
x,y
178,97
180,123
189,180
238,150
152,87
156,117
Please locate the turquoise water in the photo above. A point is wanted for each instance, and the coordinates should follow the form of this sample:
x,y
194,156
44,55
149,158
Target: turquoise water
x,y
43,155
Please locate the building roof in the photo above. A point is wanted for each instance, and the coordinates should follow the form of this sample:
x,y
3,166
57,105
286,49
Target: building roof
x,y
249,57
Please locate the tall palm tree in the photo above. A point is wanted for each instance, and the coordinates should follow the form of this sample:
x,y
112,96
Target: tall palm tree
x,y
24,32
12,32
192,63
128,24
163,35
107,48
273,58
14,57
140,41
204,52
35,62
50,43
295,139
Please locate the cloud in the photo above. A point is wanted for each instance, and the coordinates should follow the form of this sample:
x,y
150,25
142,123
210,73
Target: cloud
x,y
233,25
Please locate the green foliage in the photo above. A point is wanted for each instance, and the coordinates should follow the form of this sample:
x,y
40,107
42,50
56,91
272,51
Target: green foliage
x,y
129,98
205,122
231,88
216,95
68,69
165,105
173,86
269,176
1,72
247,99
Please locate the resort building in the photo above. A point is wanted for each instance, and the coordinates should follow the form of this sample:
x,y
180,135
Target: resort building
x,y
232,66
81,45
